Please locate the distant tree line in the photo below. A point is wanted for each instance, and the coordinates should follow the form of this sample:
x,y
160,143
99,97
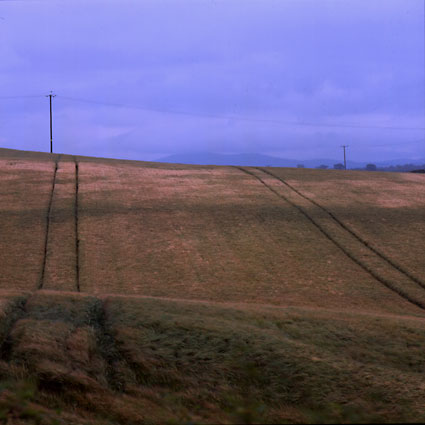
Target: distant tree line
x,y
405,168
338,166
412,168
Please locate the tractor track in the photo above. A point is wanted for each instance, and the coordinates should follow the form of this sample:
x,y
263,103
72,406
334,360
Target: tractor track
x,y
77,239
112,353
18,311
388,284
48,217
107,346
349,230
76,225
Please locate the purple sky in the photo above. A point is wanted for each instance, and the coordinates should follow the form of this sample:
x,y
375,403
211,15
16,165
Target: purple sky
x,y
229,76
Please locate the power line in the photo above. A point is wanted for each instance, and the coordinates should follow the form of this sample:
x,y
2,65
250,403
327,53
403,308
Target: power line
x,y
222,117
238,118
22,97
411,142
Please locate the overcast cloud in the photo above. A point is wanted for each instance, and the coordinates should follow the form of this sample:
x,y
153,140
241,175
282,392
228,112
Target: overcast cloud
x,y
267,76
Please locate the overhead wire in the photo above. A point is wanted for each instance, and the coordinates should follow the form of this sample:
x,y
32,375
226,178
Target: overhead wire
x,y
221,117
238,118
412,142
22,96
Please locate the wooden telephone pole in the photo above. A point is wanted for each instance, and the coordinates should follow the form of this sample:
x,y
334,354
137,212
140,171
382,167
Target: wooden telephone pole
x,y
345,162
51,96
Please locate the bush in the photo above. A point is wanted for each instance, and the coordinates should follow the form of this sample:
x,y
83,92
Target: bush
x,y
371,167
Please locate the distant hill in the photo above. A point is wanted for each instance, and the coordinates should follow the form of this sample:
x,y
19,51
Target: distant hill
x,y
242,159
249,159
400,161
257,159
207,158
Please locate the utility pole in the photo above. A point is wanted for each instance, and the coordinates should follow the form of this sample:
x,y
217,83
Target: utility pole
x,y
51,95
345,162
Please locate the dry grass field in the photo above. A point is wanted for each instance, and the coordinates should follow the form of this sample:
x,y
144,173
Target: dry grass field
x,y
136,292
388,210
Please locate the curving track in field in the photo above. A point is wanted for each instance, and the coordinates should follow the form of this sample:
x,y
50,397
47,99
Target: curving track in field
x,y
381,268
348,229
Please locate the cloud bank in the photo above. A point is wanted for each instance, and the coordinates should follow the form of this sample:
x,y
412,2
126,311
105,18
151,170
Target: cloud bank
x,y
220,76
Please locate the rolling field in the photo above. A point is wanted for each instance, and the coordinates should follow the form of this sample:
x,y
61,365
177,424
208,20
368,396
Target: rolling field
x,y
136,292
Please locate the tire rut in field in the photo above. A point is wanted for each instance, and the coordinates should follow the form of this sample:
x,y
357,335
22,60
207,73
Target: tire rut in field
x,y
390,284
77,240
122,369
48,216
51,258
107,347
349,230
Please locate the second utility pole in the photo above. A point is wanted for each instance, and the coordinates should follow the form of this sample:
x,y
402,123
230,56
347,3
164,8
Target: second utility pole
x,y
345,162
51,95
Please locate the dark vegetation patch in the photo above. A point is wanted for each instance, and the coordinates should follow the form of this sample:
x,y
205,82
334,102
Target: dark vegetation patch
x,y
132,360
